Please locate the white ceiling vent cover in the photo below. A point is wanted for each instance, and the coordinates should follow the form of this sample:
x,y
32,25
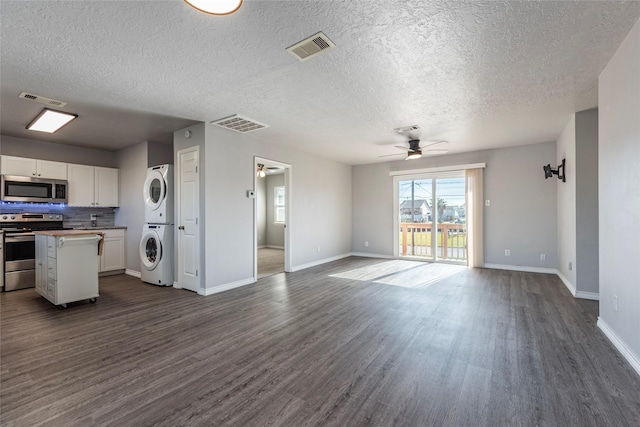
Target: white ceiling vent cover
x,y
310,47
239,124
42,99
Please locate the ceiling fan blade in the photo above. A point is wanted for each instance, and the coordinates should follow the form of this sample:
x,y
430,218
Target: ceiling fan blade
x,y
435,151
392,155
432,143
400,147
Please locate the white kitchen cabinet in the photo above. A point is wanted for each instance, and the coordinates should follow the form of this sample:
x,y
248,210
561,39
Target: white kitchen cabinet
x,y
67,265
113,250
23,166
92,186
106,187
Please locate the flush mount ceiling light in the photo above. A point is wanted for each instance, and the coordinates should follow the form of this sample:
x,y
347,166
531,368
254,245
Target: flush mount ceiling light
x,y
215,7
50,120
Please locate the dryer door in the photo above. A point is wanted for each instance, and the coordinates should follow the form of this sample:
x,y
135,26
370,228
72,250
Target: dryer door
x,y
155,189
150,250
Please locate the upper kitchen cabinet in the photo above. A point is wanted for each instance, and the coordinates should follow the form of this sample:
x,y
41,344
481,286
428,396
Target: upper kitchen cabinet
x,y
33,167
92,186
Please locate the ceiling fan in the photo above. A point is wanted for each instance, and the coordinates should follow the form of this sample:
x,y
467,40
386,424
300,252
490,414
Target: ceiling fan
x,y
415,150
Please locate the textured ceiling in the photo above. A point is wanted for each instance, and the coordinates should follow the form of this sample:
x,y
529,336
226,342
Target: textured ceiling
x,y
479,74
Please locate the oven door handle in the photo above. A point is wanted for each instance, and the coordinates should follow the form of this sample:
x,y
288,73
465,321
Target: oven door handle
x,y
26,237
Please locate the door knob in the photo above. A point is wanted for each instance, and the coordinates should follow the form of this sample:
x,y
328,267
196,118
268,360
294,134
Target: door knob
x,y
181,227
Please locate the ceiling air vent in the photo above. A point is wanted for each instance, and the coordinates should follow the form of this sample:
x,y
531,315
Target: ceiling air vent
x,y
311,46
239,124
407,129
42,99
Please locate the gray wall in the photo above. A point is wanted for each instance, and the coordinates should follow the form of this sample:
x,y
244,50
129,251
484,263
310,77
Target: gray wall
x,y
31,148
522,215
619,194
566,213
132,162
159,154
321,209
587,202
261,211
275,232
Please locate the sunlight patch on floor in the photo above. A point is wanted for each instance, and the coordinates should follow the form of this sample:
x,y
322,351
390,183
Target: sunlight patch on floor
x,y
407,274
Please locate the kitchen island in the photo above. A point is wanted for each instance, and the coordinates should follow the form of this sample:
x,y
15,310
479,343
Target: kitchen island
x,y
67,265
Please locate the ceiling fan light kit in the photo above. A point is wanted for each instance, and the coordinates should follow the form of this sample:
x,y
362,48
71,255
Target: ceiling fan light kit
x,y
215,7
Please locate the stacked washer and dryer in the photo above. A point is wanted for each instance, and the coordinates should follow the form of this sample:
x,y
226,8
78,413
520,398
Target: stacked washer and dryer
x,y
156,246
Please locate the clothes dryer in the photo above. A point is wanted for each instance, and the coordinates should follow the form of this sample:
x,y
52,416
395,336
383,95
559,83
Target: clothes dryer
x,y
156,254
158,195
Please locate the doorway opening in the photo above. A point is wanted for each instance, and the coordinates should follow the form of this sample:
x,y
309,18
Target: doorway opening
x,y
272,213
431,220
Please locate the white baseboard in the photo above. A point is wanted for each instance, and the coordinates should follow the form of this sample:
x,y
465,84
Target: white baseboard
x,y
227,286
370,255
524,268
567,283
588,295
133,273
177,285
262,246
320,261
633,359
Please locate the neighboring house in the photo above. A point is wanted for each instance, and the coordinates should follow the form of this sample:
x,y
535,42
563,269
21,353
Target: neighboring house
x,y
450,214
419,208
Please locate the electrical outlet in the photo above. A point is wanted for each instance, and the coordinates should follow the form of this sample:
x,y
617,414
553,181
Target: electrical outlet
x,y
487,202
366,243
507,252
615,302
543,257
318,248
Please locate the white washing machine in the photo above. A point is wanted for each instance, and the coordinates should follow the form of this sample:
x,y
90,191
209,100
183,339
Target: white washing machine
x,y
156,254
158,195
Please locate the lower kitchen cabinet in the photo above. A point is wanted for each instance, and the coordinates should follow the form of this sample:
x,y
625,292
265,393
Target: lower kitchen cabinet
x,y
113,251
67,267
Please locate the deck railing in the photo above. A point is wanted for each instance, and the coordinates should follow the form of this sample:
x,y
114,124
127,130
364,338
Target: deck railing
x,y
416,240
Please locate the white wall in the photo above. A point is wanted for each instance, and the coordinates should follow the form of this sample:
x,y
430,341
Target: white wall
x,y
275,232
132,162
522,215
587,203
31,148
566,193
321,208
261,211
159,154
619,197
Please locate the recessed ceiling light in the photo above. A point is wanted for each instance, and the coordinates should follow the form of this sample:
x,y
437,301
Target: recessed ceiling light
x,y
215,7
50,120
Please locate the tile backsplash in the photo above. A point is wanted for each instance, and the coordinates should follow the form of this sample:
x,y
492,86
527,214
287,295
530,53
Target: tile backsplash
x,y
74,217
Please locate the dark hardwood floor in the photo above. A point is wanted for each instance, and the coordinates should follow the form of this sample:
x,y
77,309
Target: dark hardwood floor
x,y
354,342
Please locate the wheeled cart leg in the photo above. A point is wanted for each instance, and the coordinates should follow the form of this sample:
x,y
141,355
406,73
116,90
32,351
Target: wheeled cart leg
x,y
92,300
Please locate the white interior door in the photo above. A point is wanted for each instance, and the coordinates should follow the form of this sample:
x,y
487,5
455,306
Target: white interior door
x,y
188,198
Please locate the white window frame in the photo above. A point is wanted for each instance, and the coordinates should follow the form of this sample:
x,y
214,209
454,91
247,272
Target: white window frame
x,y
276,205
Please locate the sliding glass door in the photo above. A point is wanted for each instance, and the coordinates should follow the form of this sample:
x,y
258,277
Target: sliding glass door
x,y
431,217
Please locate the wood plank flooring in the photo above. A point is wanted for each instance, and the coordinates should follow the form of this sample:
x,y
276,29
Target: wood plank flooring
x,y
340,344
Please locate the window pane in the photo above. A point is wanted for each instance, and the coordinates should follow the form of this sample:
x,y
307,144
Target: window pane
x,y
280,214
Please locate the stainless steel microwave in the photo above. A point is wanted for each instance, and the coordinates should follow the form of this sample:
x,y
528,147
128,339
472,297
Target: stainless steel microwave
x,y
26,189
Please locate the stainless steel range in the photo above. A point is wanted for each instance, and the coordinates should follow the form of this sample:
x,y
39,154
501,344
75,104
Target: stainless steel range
x,y
20,248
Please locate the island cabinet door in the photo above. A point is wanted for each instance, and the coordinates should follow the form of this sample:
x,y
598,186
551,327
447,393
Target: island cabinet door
x,y
41,264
